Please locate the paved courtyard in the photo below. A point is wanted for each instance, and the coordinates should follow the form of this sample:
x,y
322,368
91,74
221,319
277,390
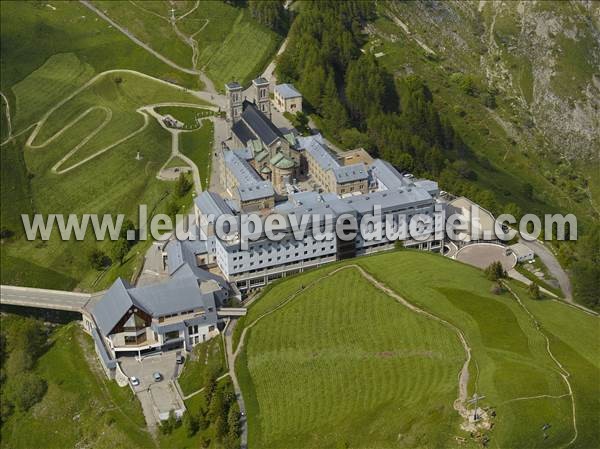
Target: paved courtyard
x,y
157,398
481,255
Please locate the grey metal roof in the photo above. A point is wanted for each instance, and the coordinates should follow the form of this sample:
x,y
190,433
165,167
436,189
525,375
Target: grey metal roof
x,y
244,153
350,173
319,152
250,185
181,261
242,132
387,175
241,169
173,296
259,124
164,328
260,80
287,91
426,184
112,306
256,191
233,85
211,203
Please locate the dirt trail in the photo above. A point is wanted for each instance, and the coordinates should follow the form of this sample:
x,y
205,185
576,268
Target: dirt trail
x,y
561,369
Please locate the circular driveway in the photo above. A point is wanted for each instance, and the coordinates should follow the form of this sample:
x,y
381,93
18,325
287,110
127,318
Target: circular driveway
x,y
481,255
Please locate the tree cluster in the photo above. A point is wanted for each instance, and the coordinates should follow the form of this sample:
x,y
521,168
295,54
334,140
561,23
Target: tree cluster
x,y
22,342
360,104
221,413
585,269
271,14
123,245
495,271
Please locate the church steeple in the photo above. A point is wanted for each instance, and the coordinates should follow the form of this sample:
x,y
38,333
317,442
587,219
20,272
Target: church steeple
x,y
261,95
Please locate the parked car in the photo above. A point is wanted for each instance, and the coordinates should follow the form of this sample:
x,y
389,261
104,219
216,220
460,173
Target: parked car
x,y
157,377
179,359
134,381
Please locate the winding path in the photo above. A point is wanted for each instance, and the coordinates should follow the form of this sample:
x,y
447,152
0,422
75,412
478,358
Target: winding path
x,y
146,111
561,369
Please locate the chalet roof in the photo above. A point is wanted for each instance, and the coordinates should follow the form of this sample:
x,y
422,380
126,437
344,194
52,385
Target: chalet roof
x,y
112,306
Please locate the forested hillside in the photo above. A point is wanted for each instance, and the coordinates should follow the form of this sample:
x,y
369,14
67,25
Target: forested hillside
x,y
423,101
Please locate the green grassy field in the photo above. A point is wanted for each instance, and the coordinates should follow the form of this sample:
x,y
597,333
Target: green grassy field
x,y
209,358
197,145
222,34
81,407
119,184
69,28
304,387
72,46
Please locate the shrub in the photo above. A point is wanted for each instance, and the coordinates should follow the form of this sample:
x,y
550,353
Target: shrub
x,y
534,291
495,271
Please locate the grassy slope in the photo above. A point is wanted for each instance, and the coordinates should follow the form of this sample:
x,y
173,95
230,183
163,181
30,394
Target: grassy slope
x,y
197,145
119,184
509,355
320,376
223,34
71,45
80,406
209,357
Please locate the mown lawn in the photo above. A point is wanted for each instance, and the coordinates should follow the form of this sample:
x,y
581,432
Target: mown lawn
x,y
355,368
510,362
81,407
198,145
120,182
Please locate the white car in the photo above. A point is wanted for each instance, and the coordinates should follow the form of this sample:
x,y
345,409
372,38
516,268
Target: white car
x,y
134,381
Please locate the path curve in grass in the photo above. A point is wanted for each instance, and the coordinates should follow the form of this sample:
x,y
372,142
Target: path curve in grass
x,y
8,124
561,369
463,376
146,111
139,42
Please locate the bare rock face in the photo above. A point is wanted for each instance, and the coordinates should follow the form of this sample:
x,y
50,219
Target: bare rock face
x,y
543,56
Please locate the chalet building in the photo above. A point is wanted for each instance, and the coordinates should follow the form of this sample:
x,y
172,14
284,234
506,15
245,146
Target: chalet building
x,y
175,314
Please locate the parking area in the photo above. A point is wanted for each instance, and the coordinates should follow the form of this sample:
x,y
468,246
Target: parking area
x,y
481,255
158,398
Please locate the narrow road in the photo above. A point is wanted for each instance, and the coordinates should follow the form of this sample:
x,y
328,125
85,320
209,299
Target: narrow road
x,y
553,266
43,298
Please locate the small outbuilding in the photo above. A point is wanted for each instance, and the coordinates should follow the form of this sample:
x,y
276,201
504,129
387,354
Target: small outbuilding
x,y
287,99
522,252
